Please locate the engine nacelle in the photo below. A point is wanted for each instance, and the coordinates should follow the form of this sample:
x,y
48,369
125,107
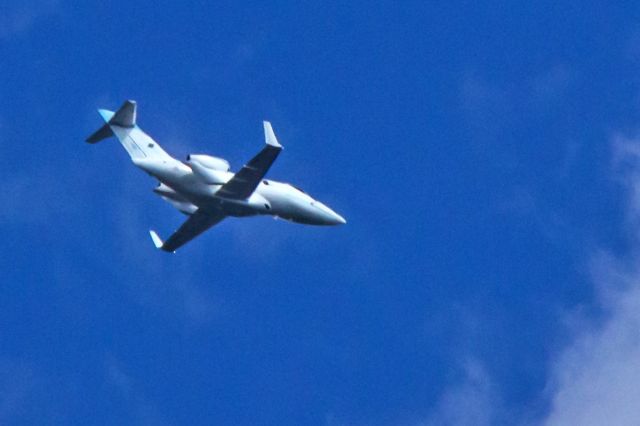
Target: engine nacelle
x,y
210,170
165,191
209,162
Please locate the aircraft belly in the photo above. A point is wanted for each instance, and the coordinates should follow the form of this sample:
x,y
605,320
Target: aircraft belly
x,y
190,188
193,190
203,196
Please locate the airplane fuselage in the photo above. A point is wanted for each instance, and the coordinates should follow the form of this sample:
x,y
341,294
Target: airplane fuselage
x,y
181,184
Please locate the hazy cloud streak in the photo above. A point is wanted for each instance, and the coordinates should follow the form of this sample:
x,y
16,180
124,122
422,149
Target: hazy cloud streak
x,y
596,380
20,19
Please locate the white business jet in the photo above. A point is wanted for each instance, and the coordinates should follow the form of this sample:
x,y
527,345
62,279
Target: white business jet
x,y
203,187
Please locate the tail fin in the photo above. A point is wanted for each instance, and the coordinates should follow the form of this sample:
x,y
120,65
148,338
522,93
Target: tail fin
x,y
122,124
124,117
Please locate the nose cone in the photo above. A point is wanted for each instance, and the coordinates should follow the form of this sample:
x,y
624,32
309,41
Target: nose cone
x,y
329,217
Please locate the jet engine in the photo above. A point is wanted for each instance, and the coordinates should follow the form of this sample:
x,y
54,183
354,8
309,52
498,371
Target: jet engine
x,y
209,162
210,170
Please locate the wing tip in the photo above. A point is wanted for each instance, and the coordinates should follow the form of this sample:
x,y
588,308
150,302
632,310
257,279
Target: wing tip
x,y
270,136
156,239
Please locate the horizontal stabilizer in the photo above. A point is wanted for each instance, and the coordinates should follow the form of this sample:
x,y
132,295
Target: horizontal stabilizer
x,y
102,133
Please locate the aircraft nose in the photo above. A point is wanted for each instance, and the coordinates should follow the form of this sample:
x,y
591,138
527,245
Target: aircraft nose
x,y
329,216
339,219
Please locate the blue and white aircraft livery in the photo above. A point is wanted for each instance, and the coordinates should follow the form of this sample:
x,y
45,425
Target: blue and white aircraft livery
x,y
203,187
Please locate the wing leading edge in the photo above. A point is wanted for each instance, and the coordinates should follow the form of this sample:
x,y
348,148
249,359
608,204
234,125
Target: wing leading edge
x,y
197,223
243,183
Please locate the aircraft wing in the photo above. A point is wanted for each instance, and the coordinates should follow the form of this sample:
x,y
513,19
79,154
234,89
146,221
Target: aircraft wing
x,y
243,183
197,223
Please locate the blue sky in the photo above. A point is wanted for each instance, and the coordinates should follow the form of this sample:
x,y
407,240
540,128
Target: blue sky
x,y
486,157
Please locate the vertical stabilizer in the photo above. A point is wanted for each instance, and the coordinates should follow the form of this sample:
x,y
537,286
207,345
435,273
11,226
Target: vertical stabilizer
x,y
122,124
125,116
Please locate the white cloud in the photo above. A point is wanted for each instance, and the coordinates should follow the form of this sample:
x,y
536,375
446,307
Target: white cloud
x,y
472,402
596,380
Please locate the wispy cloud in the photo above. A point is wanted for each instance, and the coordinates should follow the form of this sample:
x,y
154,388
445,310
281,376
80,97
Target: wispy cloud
x,y
143,411
20,18
549,88
473,401
165,283
29,193
161,281
596,379
485,106
492,108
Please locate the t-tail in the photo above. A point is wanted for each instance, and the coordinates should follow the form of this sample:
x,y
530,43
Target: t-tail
x,y
122,124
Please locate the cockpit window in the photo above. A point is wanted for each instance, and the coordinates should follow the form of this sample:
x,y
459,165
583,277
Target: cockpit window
x,y
266,182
